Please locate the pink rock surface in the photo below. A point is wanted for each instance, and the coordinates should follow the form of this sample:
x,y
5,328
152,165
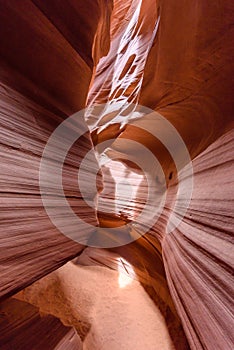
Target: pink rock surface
x,y
23,327
173,57
198,255
37,91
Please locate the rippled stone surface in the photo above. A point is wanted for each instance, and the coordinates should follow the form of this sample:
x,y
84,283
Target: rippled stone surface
x,y
177,60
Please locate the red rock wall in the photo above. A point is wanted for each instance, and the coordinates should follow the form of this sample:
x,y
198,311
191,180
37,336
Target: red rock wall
x,y
45,75
23,327
177,59
183,71
198,255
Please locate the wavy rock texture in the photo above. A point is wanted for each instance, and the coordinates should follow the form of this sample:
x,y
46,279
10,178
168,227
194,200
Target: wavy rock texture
x,y
182,71
44,77
175,58
198,255
22,326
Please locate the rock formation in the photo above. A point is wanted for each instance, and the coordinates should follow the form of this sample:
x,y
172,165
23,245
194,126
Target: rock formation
x,y
155,79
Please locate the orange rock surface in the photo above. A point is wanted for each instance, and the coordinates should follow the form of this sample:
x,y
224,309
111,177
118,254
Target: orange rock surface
x,y
145,71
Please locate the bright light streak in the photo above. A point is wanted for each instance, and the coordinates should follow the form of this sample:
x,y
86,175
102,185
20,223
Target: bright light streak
x,y
126,273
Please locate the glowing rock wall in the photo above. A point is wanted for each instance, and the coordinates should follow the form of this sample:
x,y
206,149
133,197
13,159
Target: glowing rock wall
x,y
173,57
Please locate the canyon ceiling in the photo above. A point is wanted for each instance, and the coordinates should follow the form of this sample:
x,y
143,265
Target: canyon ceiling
x,y
154,79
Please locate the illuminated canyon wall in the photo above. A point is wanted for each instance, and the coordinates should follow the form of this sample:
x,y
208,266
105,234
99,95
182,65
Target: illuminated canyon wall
x,y
155,79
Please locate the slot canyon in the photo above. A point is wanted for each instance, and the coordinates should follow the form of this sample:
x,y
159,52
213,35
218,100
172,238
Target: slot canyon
x,y
116,175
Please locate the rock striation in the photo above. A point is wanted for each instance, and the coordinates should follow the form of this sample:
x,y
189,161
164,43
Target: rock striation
x,y
146,71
